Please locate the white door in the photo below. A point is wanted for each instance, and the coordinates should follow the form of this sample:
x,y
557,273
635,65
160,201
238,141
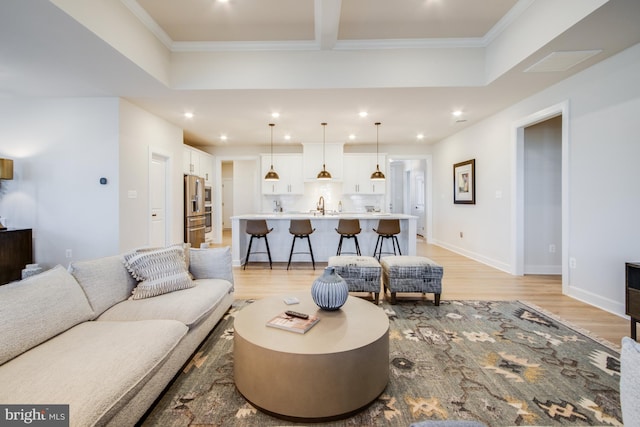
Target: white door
x,y
158,201
227,202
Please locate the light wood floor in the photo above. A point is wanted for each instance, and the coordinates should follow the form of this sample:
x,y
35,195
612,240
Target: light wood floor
x,y
464,279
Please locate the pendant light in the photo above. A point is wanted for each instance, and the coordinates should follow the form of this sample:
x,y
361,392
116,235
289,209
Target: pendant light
x,y
272,175
377,175
323,175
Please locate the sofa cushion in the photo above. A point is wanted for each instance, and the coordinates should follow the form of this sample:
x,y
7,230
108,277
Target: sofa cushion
x,y
38,308
159,271
105,281
214,263
95,367
188,306
630,381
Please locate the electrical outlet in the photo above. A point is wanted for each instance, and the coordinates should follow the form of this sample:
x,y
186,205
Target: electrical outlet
x,y
552,248
572,262
68,253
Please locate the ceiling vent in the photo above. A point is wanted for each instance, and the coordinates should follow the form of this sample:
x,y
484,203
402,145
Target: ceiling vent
x,y
561,61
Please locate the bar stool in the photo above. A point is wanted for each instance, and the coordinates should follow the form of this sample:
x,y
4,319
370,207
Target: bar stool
x,y
387,229
258,229
348,229
301,229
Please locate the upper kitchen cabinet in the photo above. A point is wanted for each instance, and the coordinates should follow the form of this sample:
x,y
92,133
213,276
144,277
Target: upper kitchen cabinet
x,y
196,162
313,155
357,174
289,168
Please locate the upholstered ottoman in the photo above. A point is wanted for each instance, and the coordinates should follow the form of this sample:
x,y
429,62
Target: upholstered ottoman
x,y
362,273
411,274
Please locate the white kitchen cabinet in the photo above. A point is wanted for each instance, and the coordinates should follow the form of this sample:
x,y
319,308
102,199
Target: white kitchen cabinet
x,y
312,153
190,161
357,174
289,168
196,162
206,168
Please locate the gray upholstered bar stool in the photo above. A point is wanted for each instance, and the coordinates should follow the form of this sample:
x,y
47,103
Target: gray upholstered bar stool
x,y
348,229
257,228
387,229
301,229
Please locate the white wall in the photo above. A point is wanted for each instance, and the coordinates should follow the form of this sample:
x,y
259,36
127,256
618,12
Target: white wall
x,y
61,148
603,204
140,133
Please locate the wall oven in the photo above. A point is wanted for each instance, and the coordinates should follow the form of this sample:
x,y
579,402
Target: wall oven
x,y
208,213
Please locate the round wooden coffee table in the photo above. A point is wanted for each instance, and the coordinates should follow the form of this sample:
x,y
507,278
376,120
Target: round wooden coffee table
x,y
333,370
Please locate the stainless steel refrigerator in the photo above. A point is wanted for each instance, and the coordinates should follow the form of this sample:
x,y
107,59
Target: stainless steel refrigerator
x,y
194,212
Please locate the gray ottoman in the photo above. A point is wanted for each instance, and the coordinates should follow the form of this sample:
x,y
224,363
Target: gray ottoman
x,y
362,273
411,274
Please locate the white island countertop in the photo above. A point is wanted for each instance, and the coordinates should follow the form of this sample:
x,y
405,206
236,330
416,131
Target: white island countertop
x,y
324,239
328,215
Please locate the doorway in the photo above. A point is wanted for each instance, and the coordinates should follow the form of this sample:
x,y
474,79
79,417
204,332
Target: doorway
x,y
227,194
410,190
519,193
543,197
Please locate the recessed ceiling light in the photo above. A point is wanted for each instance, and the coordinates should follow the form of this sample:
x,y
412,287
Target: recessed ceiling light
x,y
275,115
352,137
457,113
363,114
188,115
420,136
287,137
223,1
223,137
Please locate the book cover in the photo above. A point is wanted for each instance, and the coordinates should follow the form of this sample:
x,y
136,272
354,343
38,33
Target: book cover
x,y
293,324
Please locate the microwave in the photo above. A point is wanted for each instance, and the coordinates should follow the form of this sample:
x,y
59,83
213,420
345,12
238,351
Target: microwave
x,y
208,195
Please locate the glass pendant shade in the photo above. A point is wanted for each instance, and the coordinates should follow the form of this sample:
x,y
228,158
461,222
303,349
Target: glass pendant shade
x,y
377,175
6,169
323,175
272,175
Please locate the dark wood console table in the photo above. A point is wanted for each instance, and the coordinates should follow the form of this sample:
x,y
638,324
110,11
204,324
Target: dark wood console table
x,y
632,294
16,251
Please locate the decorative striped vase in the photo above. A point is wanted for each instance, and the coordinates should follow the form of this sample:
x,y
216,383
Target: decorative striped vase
x,y
329,291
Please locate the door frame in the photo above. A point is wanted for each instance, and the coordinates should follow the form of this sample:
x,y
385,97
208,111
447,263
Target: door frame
x,y
517,187
155,152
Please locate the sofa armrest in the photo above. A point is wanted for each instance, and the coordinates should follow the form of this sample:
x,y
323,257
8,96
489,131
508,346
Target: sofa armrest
x,y
212,263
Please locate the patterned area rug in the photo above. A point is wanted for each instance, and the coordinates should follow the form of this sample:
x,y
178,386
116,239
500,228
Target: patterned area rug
x,y
502,363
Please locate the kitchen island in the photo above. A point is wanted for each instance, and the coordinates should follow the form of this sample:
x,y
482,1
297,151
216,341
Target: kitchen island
x,y
324,240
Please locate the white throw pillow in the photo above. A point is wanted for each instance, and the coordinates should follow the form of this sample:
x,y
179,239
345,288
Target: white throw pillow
x,y
630,381
159,271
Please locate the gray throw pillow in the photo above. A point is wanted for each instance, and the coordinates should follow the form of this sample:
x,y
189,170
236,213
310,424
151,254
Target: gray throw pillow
x,y
212,263
159,271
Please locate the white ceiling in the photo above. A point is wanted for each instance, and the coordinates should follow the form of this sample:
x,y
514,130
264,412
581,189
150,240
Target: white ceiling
x,y
408,63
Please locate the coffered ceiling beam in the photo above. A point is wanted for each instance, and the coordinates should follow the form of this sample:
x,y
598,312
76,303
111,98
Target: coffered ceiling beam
x,y
327,22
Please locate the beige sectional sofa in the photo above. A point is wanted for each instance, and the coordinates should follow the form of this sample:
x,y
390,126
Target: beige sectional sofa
x,y
73,336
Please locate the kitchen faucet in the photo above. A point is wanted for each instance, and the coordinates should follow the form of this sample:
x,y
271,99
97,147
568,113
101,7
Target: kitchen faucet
x,y
320,205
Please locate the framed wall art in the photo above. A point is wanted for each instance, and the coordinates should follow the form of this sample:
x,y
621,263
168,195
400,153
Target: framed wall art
x,y
464,182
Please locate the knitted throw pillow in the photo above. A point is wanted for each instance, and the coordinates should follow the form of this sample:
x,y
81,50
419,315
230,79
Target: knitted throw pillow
x,y
159,271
